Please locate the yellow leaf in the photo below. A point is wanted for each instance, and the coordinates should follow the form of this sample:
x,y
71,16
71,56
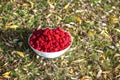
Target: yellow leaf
x,y
51,6
78,19
1,49
48,15
28,64
0,6
6,74
25,5
71,71
106,72
86,78
12,0
118,30
5,64
20,53
66,6
105,33
113,19
91,33
117,55
1,17
103,57
32,4
78,61
11,27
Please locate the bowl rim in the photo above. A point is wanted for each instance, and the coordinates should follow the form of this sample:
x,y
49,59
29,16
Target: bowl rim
x,y
51,52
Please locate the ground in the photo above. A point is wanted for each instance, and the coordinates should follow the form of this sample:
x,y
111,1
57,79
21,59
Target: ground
x,y
93,24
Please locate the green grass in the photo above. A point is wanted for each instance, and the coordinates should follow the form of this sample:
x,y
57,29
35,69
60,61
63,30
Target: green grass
x,y
95,51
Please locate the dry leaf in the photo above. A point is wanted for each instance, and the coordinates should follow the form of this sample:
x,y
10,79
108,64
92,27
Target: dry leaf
x,y
25,5
48,15
1,49
78,61
12,0
78,19
1,57
51,5
6,74
32,4
67,5
71,71
28,64
113,19
69,25
4,65
99,73
118,30
1,17
106,72
118,76
103,57
86,78
59,19
91,33
117,55
19,53
11,27
105,33
0,6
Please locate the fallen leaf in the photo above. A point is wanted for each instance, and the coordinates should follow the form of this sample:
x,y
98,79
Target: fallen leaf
x,y
32,4
11,27
106,72
28,64
69,25
118,76
59,19
67,5
113,19
1,49
78,19
1,17
71,71
99,73
1,57
103,57
4,65
48,15
117,55
0,6
118,30
19,53
105,33
91,33
78,61
6,74
86,78
12,0
25,5
50,4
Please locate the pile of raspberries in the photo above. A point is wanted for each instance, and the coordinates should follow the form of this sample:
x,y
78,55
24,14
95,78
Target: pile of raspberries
x,y
50,39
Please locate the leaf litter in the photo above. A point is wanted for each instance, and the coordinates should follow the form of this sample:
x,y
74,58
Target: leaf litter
x,y
94,25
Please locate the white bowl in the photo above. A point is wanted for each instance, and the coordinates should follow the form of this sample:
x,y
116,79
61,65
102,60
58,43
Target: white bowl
x,y
50,54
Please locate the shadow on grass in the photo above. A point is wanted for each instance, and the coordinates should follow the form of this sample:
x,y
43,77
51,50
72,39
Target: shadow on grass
x,y
15,40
